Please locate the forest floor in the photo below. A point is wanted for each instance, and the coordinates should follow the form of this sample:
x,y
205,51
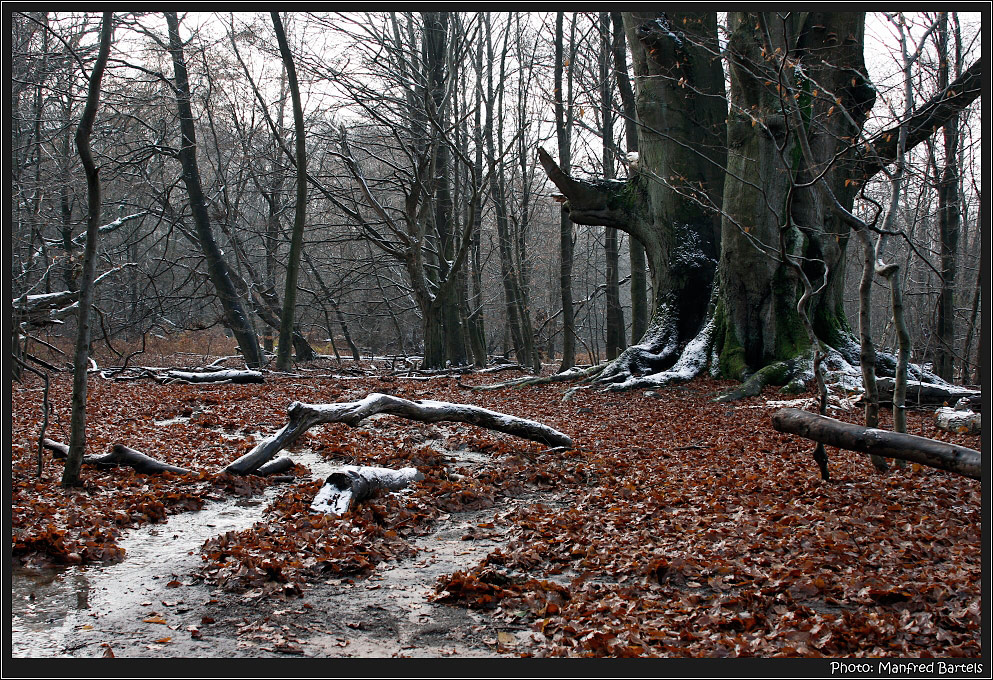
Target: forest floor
x,y
676,527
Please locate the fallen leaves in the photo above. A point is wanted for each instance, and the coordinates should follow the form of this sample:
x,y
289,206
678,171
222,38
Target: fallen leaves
x,y
688,528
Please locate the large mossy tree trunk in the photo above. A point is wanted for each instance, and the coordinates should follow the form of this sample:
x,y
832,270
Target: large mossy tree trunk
x,y
669,203
770,56
760,181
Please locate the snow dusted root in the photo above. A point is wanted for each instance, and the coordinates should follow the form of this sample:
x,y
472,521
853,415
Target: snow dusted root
x,y
352,484
303,416
573,374
694,360
657,348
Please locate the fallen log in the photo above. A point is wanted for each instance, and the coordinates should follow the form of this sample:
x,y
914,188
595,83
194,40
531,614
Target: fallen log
x,y
351,484
225,375
303,416
924,394
930,452
958,421
119,455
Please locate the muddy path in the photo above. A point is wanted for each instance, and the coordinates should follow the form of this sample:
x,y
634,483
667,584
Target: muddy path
x,y
152,605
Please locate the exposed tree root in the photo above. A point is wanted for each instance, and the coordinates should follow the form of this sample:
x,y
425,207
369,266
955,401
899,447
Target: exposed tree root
x,y
573,374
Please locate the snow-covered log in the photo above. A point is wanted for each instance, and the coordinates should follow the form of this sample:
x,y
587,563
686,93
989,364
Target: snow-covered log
x,y
958,421
924,394
225,376
119,455
941,455
44,309
351,484
303,416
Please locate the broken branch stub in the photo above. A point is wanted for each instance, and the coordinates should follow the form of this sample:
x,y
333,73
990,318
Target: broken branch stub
x,y
936,454
303,416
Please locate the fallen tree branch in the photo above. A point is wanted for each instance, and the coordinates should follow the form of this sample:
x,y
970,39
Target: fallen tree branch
x,y
303,416
226,375
941,455
120,455
925,394
352,484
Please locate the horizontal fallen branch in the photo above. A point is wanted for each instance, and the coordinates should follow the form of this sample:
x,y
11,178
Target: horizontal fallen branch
x,y
925,394
119,455
941,455
225,375
303,416
352,484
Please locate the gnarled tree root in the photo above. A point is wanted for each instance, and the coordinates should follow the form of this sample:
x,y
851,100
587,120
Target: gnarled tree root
x,y
303,416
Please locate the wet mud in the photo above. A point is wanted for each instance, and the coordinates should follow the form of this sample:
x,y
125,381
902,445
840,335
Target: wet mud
x,y
152,605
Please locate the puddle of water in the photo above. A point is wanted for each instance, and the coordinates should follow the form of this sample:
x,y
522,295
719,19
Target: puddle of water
x,y
71,611
48,605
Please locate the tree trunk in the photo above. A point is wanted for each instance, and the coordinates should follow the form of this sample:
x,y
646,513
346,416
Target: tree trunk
x,y
77,426
960,422
614,340
949,218
224,376
792,173
286,328
923,394
236,317
639,285
120,456
563,126
951,457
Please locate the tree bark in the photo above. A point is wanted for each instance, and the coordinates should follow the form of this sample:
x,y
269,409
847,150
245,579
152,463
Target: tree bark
x,y
286,329
950,457
303,416
77,427
236,318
